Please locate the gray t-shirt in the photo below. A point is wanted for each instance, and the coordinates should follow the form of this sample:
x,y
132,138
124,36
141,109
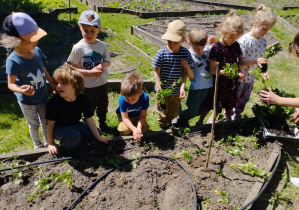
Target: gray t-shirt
x,y
87,56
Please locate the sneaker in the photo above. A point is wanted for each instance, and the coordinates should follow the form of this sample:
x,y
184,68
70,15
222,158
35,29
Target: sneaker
x,y
198,123
41,145
180,122
295,181
104,127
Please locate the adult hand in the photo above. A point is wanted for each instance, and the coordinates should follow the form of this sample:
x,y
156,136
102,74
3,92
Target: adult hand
x,y
266,75
295,117
27,90
269,97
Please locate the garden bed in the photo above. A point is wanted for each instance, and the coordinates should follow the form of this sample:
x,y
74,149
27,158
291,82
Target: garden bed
x,y
291,22
61,37
155,8
153,31
156,182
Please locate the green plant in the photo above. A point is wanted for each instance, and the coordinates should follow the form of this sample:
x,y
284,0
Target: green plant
x,y
224,197
136,161
183,132
199,151
258,75
44,183
113,160
231,70
251,169
187,156
167,92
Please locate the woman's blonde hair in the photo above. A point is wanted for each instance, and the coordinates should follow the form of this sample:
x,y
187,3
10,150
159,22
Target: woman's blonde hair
x,y
69,75
294,46
233,24
131,85
264,16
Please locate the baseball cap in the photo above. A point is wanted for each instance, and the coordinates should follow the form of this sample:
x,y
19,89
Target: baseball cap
x,y
91,18
176,30
22,25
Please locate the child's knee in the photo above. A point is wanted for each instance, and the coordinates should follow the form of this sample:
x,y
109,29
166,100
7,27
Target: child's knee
x,y
71,139
123,129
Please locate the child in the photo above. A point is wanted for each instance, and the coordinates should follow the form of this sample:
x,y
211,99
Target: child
x,y
169,63
64,111
26,74
201,79
226,50
253,46
91,56
133,105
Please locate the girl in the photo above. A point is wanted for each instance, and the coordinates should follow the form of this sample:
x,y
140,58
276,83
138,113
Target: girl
x,y
253,46
226,50
26,75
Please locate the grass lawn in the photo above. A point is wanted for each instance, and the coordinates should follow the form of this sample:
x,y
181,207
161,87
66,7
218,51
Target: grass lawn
x,y
283,70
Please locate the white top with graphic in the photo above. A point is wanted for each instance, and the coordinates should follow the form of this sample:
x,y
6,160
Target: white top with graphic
x,y
251,49
202,77
89,56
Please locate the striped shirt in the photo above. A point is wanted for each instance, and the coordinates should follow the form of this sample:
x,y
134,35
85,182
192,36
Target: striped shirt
x,y
171,67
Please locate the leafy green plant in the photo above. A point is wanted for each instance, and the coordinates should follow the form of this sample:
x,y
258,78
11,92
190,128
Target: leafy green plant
x,y
183,132
251,169
199,151
137,158
231,70
224,197
113,160
187,156
258,75
44,183
167,92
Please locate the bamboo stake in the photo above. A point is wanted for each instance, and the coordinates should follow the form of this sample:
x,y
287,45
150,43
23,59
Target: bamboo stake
x,y
214,114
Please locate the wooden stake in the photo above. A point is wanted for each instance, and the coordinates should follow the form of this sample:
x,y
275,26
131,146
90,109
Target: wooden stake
x,y
214,115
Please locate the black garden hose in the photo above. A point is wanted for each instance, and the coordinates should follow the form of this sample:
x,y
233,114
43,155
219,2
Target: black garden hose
x,y
126,162
267,181
65,158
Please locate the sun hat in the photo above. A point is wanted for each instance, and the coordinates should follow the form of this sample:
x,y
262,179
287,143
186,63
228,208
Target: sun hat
x,y
176,30
22,25
91,18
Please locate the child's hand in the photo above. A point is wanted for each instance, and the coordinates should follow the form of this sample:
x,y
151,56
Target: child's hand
x,y
27,90
185,64
104,139
261,61
266,75
53,149
137,134
212,40
241,75
182,92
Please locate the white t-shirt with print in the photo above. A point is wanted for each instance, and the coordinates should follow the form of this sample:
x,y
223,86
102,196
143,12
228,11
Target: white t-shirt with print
x,y
251,49
89,55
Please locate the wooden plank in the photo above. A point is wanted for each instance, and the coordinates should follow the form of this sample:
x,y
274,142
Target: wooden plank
x,y
260,182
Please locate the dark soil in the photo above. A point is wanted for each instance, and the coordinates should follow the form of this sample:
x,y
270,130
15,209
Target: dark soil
x,y
157,5
156,183
258,2
159,26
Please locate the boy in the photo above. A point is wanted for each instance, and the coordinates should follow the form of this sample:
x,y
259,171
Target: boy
x,y
64,111
201,79
170,62
91,56
133,106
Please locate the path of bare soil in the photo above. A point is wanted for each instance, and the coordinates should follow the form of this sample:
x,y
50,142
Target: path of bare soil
x,y
154,184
